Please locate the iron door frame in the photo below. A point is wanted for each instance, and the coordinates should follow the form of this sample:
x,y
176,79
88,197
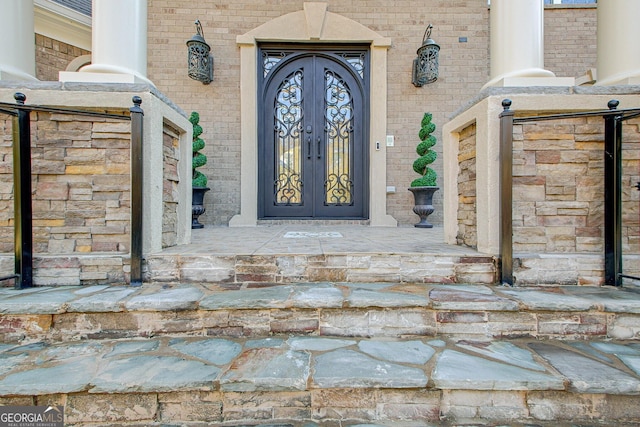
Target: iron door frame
x,y
317,57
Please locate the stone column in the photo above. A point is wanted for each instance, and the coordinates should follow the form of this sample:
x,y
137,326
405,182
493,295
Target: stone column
x,y
119,43
18,52
517,44
618,42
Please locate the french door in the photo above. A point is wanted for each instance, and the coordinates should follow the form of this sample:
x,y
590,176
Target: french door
x,y
313,151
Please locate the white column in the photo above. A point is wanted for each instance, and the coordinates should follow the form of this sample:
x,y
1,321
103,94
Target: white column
x,y
18,52
618,42
517,44
119,43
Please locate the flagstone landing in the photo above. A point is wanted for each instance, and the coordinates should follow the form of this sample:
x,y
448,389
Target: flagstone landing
x,y
169,380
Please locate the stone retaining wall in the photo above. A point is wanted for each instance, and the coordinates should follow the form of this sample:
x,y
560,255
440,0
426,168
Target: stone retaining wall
x,y
558,182
170,199
81,198
333,406
81,184
467,217
558,188
81,178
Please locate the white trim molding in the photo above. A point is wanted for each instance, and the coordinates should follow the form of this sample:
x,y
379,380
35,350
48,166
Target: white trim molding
x,y
62,23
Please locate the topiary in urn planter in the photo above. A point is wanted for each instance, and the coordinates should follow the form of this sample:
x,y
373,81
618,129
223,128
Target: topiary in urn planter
x,y
424,187
198,179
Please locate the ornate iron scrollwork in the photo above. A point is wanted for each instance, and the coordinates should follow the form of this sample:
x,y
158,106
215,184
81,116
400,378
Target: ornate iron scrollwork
x,y
288,115
339,130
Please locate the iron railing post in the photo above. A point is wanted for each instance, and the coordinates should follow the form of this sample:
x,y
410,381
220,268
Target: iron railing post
x,y
612,197
23,238
506,193
137,115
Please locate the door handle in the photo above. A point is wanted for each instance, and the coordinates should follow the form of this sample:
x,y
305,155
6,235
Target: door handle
x,y
308,129
319,148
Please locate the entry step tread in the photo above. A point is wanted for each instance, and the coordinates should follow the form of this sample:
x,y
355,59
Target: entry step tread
x,y
327,295
331,380
327,309
303,363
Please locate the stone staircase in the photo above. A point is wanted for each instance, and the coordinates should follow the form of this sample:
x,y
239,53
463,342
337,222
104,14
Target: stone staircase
x,y
324,353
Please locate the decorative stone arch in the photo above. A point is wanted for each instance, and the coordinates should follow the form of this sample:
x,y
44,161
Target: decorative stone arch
x,y
310,25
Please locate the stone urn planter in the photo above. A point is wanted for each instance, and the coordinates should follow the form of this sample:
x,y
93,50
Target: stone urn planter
x,y
423,207
197,205
424,187
198,179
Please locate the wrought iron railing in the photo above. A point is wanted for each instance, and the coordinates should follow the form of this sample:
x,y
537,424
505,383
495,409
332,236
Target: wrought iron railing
x,y
23,226
613,118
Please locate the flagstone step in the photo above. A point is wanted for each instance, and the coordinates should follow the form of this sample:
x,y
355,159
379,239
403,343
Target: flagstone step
x,y
320,309
456,265
327,381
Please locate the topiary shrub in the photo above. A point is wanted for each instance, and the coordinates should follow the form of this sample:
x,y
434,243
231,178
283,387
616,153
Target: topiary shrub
x,y
198,179
427,155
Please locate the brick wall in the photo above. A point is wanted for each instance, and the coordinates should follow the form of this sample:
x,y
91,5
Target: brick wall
x,y
467,216
461,28
570,40
53,56
463,71
558,192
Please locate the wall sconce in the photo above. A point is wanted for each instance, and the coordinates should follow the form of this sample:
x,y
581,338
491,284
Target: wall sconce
x,y
200,59
425,66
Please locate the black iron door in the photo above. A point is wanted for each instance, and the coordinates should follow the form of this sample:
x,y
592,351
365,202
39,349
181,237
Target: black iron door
x,y
312,140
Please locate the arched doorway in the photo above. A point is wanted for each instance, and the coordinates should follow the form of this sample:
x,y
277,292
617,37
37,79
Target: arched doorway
x,y
313,25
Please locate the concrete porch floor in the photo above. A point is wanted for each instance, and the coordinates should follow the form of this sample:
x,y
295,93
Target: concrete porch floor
x,y
310,239
292,253
349,252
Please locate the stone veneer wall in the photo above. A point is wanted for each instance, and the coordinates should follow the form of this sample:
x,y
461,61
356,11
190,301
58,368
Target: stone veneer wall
x,y
467,216
81,198
6,185
558,193
171,156
81,175
81,184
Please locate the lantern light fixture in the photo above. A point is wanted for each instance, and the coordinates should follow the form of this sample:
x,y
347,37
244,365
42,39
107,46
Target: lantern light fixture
x,y
425,66
200,60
